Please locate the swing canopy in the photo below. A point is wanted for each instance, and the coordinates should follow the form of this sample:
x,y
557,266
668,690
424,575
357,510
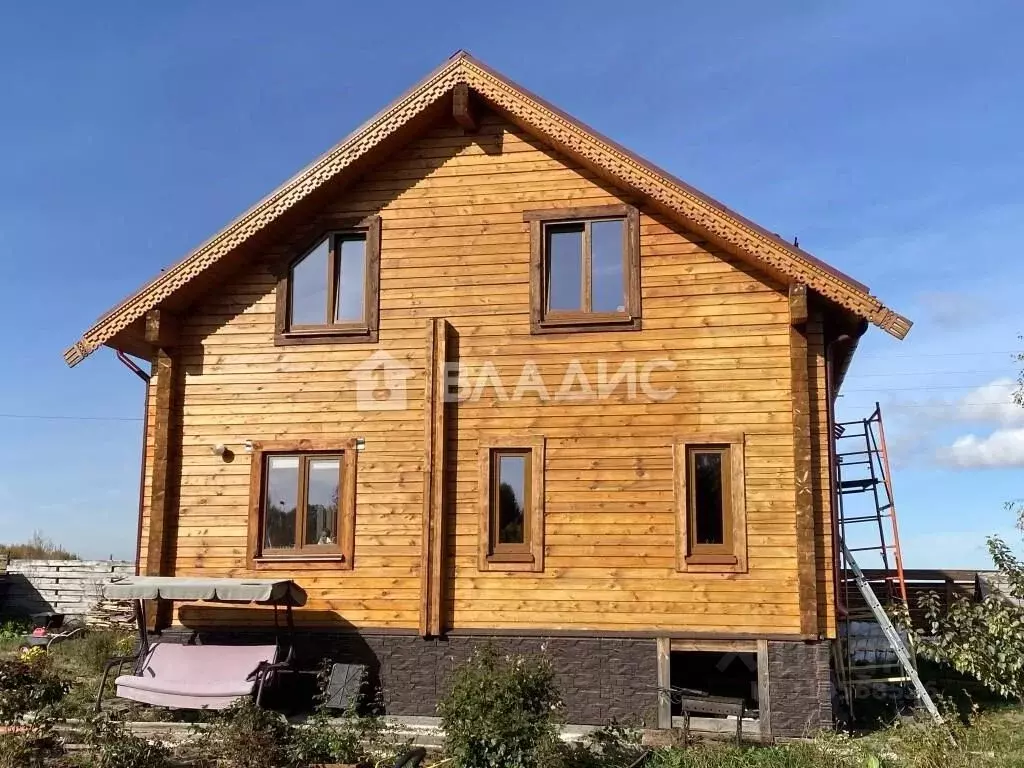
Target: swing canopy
x,y
266,591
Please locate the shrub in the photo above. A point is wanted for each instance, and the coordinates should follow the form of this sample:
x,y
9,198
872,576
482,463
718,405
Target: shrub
x,y
87,653
319,741
986,639
13,629
28,685
247,736
500,711
350,738
113,745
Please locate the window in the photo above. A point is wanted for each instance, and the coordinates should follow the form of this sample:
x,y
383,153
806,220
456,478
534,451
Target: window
x,y
710,503
585,269
512,504
303,501
329,293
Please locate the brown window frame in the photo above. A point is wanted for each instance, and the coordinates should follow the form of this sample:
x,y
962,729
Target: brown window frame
x,y
731,554
305,450
561,321
528,555
365,330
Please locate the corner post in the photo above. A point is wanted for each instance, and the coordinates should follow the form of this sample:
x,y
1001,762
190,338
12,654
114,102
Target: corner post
x,y
803,461
162,334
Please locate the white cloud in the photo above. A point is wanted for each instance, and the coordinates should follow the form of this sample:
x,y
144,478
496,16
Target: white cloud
x,y
1002,448
952,310
992,402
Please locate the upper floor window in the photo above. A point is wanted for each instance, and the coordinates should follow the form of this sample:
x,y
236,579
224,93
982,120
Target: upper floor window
x,y
585,268
330,291
710,503
512,504
303,500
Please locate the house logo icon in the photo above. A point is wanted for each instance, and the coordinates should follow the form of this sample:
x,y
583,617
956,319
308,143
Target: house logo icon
x,y
380,383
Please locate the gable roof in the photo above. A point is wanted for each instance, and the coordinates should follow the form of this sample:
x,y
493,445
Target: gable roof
x,y
682,202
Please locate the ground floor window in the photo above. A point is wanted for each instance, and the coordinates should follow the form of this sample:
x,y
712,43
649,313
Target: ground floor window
x,y
710,500
302,501
511,515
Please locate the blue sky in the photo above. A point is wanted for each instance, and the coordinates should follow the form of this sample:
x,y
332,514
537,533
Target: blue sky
x,y
885,135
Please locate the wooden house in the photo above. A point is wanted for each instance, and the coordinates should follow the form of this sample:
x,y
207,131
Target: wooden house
x,y
479,373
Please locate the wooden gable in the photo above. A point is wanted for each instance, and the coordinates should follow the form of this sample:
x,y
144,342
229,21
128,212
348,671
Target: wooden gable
x,y
453,89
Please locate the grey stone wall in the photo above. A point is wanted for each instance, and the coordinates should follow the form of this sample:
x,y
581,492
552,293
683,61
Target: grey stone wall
x,y
800,687
600,678
71,587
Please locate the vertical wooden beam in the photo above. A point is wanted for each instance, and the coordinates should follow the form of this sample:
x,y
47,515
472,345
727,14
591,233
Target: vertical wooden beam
x,y
664,682
433,537
803,465
764,692
798,312
462,108
161,332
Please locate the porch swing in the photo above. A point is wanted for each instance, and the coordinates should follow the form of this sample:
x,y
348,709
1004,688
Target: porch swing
x,y
190,676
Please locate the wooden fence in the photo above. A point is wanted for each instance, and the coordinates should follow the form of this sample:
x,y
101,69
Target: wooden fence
x,y
71,587
947,584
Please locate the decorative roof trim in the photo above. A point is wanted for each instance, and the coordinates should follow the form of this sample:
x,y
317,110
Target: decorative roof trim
x,y
695,209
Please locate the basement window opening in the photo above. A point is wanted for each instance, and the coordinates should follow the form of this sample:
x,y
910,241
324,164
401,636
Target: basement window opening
x,y
731,674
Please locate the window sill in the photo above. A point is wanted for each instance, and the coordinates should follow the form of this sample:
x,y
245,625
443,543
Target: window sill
x,y
513,562
708,562
326,336
595,323
324,558
510,557
711,559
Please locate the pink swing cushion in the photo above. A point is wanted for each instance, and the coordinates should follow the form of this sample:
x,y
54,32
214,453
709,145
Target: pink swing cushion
x,y
196,676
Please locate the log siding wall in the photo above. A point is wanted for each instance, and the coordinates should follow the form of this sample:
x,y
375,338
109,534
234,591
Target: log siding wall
x,y
454,246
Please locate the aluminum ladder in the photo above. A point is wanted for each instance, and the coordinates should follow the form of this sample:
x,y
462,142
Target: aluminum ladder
x,y
893,636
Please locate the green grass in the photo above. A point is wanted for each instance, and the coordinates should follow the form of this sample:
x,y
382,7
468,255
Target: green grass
x,y
994,739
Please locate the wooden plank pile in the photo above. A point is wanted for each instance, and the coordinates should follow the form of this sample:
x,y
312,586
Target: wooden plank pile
x,y
111,615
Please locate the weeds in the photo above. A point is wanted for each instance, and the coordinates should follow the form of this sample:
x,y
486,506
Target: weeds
x,y
28,685
613,746
113,745
26,745
248,736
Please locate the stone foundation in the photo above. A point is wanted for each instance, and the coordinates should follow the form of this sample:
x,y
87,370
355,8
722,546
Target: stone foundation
x,y
800,686
601,678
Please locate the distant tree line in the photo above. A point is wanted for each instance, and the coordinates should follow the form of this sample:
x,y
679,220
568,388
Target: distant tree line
x,y
38,547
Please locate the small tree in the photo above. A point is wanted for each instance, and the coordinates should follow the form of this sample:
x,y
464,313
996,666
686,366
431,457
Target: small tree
x,y
501,711
985,639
